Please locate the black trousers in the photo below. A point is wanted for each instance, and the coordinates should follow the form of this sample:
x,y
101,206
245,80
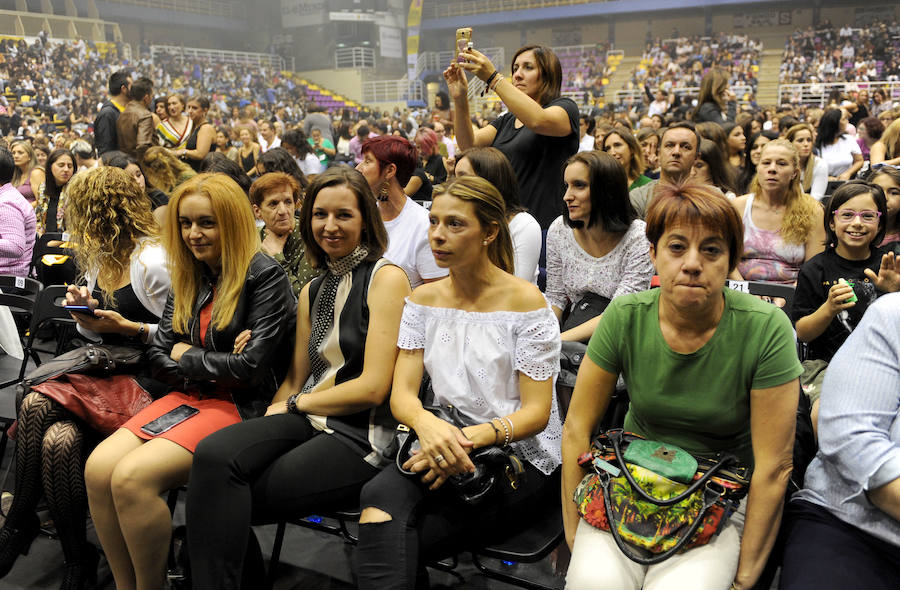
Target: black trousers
x,y
426,526
258,472
823,552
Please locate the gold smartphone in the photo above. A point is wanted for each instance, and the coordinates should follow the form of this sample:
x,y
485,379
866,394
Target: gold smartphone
x,y
463,41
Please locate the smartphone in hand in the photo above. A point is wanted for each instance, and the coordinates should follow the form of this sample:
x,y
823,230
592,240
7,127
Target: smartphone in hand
x,y
463,42
81,309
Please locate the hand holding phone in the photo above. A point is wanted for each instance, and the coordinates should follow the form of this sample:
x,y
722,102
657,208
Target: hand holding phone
x,y
81,309
463,42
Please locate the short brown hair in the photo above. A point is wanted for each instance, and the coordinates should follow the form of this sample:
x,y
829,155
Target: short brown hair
x,y
271,181
692,203
374,236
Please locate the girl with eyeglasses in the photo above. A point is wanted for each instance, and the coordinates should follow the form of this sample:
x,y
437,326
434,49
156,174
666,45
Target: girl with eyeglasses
x,y
836,287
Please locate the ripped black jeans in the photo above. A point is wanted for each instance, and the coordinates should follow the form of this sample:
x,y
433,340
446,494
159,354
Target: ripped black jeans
x,y
427,526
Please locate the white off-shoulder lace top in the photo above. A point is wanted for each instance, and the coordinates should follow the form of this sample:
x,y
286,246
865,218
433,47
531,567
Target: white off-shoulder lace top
x,y
474,359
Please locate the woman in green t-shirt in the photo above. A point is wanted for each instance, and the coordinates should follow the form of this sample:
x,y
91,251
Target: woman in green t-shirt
x,y
708,369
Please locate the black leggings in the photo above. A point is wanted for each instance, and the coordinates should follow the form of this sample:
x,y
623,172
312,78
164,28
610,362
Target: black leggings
x,y
257,472
426,526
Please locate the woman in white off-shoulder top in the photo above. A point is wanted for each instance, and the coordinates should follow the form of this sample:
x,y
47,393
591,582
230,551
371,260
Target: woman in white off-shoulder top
x,y
491,346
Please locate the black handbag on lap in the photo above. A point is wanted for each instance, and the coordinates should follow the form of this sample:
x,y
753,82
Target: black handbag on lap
x,y
496,468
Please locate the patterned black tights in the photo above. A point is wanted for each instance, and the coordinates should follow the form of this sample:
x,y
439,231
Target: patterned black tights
x,y
50,448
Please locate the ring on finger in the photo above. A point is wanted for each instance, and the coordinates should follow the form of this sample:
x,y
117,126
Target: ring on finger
x,y
439,459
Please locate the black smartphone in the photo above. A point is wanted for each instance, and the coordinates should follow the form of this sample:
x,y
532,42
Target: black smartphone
x,y
169,420
82,309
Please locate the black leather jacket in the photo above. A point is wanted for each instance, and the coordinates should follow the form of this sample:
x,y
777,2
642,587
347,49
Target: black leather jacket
x,y
267,308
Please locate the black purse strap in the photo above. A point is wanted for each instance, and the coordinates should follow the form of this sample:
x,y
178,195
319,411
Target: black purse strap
x,y
709,498
615,438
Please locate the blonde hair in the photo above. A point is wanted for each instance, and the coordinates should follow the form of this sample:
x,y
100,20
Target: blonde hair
x,y
107,213
239,241
163,169
490,208
891,140
811,161
796,223
19,175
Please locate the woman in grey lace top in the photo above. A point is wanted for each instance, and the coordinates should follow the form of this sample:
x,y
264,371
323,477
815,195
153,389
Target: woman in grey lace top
x,y
598,245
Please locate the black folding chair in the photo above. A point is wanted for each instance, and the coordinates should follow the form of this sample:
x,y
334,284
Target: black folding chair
x,y
48,309
19,294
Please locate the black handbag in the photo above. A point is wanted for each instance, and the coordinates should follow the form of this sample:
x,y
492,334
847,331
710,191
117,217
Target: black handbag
x,y
497,468
94,359
589,306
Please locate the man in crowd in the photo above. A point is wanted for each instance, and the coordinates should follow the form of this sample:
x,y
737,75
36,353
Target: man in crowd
x,y
105,138
317,119
362,134
136,126
678,150
268,139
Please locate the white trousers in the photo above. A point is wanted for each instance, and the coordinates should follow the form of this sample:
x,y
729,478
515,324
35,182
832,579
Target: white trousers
x,y
598,564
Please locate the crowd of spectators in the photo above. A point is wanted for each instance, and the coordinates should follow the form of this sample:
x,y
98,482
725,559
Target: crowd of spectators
x,y
755,196
828,54
669,64
587,70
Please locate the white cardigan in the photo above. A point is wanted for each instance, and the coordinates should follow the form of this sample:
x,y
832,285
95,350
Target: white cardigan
x,y
149,280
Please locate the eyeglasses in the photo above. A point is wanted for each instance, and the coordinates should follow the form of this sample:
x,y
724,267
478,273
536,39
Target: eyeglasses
x,y
866,216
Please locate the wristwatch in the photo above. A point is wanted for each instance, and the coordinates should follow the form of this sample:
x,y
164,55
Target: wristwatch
x,y
292,404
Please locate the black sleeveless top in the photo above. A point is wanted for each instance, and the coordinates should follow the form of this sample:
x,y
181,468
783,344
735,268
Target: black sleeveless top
x,y
247,162
191,144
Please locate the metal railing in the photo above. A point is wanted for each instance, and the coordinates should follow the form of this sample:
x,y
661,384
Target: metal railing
x,y
267,60
439,60
468,7
223,8
817,94
392,90
623,96
354,57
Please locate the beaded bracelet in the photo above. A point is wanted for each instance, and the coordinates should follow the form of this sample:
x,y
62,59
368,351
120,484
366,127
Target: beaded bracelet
x,y
497,81
511,429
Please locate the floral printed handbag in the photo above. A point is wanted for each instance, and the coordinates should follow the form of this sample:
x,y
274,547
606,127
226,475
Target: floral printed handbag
x,y
657,497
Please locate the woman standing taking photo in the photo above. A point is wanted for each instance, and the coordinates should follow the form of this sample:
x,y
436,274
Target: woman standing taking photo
x,y
598,244
537,135
176,128
621,145
329,416
110,220
502,383
28,176
220,343
783,226
203,136
670,344
815,171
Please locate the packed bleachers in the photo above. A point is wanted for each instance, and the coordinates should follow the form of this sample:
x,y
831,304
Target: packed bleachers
x,y
828,54
587,69
670,64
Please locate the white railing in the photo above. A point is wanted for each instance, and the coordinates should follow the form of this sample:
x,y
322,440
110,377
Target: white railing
x,y
354,57
267,60
817,94
206,7
392,90
469,7
439,60
623,96
580,50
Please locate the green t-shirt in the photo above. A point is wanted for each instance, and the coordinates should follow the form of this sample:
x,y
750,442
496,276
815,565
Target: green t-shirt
x,y
320,153
698,401
641,181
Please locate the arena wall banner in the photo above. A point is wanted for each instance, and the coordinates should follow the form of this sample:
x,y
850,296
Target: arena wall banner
x,y
303,13
391,42
413,21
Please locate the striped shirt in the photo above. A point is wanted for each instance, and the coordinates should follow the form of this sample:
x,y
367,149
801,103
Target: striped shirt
x,y
859,424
